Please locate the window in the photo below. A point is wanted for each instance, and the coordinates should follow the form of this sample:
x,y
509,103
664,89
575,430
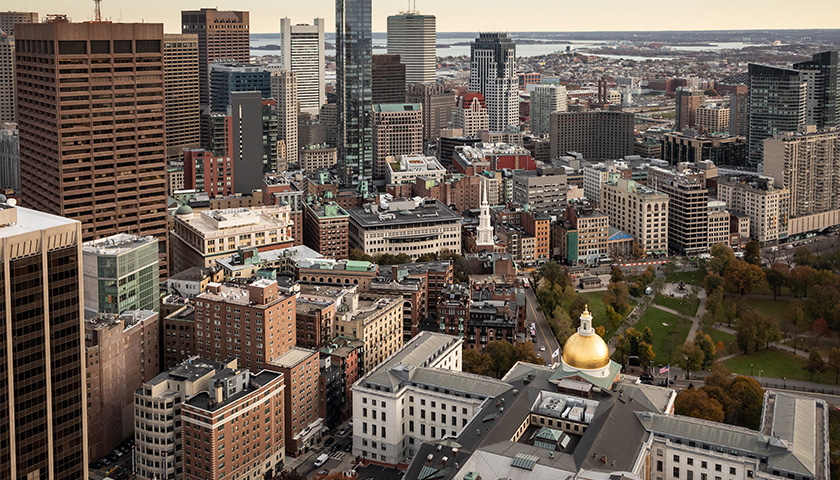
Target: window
x,y
659,465
718,468
676,458
732,470
703,464
689,461
676,472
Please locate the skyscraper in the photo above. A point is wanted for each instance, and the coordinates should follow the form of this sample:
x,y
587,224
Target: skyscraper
x,y
180,83
776,105
43,425
354,49
686,102
823,91
105,164
7,78
397,130
303,53
493,74
221,36
438,106
412,37
9,19
226,78
284,88
546,99
388,79
251,139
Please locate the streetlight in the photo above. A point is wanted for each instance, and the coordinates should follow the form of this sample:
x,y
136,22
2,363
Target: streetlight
x,y
759,376
751,369
784,381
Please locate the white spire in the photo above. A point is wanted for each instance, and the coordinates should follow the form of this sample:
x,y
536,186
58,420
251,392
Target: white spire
x,y
485,230
585,327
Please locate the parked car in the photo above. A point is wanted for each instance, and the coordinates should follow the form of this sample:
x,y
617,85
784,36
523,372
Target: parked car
x,y
322,459
342,431
646,378
348,448
329,441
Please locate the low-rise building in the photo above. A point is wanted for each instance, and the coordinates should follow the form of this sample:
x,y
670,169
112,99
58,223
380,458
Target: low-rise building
x,y
413,227
192,281
638,211
317,158
542,190
325,229
122,354
419,394
689,146
474,159
158,404
243,414
199,238
248,262
302,414
121,273
376,320
254,324
346,354
316,307
766,206
582,234
337,272
407,168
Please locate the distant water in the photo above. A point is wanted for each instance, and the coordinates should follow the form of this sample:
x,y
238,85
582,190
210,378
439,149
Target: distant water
x,y
447,46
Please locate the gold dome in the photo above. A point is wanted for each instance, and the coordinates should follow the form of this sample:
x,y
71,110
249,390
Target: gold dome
x,y
586,350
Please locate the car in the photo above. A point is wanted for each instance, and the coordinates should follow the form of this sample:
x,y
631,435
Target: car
x,y
322,459
342,431
539,355
105,461
665,382
335,447
646,378
348,448
329,442
542,348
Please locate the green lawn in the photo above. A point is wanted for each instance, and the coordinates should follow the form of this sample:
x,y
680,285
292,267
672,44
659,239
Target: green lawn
x,y
693,277
772,363
599,311
668,329
686,306
773,308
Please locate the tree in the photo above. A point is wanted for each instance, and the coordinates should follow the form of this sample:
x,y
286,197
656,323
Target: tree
x,y
647,335
356,254
794,318
622,349
696,403
815,364
554,274
600,331
576,309
799,278
402,258
743,276
613,318
719,377
752,253
803,255
746,396
618,297
747,334
707,346
646,355
777,278
712,283
818,330
722,256
560,324
524,352
289,475
616,274
502,357
474,361
648,276
714,303
834,363
689,358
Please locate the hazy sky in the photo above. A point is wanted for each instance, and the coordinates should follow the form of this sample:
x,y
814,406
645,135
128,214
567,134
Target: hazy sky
x,y
467,15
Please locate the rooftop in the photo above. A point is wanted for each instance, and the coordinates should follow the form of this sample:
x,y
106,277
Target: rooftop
x,y
18,220
293,357
127,319
424,211
116,244
396,107
204,401
190,370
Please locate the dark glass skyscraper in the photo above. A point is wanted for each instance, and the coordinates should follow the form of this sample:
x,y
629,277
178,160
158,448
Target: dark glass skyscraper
x,y
354,47
823,92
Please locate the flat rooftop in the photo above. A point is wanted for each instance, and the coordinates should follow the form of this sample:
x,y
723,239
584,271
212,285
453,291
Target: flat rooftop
x,y
203,400
23,220
428,212
116,244
293,357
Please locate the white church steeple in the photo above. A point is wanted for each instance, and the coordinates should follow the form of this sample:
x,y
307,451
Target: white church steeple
x,y
485,230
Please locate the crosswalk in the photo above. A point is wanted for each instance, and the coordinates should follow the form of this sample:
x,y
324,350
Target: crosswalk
x,y
337,455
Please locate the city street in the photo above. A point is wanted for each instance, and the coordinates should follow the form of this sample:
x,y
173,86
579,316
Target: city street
x,y
545,337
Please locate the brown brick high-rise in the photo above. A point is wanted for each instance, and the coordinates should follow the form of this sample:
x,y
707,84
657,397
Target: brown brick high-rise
x,y
221,36
91,123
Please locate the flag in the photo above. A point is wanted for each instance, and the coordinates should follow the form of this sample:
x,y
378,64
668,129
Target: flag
x,y
556,353
665,369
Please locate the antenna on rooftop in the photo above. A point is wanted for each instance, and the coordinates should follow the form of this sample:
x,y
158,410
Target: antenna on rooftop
x,y
97,11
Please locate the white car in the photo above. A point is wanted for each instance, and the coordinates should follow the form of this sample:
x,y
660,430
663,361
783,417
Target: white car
x,y
542,348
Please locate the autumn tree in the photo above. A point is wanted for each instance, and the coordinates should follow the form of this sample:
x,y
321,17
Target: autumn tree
x,y
696,403
712,283
618,297
616,274
289,475
707,346
560,324
576,309
502,357
689,358
818,330
524,352
747,397
613,318
474,361
803,255
722,256
816,364
777,278
356,254
799,279
743,277
646,355
752,253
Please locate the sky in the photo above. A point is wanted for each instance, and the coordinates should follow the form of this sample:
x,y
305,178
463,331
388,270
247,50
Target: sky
x,y
479,15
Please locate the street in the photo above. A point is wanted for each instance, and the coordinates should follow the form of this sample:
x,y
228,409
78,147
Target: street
x,y
545,337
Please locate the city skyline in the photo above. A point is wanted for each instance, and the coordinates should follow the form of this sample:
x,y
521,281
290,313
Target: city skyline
x,y
450,16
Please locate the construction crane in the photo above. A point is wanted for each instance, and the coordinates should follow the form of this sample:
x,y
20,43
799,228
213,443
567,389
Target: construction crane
x,y
97,11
